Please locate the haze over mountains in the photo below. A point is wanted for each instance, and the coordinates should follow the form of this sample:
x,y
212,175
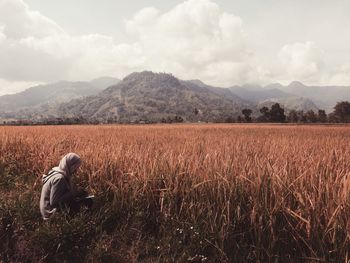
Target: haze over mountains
x,y
275,93
53,94
323,96
155,96
150,96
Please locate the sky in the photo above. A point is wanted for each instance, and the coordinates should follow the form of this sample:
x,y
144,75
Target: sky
x,y
221,42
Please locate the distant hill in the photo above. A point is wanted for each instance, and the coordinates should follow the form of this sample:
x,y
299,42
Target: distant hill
x,y
258,94
324,97
296,95
158,96
53,94
197,84
274,93
150,96
153,96
291,103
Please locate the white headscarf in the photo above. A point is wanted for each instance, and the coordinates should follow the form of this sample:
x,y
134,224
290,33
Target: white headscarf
x,y
68,165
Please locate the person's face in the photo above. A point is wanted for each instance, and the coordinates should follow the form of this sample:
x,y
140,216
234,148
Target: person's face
x,y
75,168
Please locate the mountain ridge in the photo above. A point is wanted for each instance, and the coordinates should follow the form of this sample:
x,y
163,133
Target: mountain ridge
x,y
149,95
52,93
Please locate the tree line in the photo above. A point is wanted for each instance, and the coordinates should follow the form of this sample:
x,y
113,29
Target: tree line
x,y
274,114
277,114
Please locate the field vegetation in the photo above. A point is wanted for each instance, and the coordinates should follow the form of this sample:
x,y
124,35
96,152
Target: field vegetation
x,y
181,193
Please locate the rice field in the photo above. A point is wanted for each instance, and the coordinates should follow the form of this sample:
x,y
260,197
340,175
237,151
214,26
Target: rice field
x,y
181,193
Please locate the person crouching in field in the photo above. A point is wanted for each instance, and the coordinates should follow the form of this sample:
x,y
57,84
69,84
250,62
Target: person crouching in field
x,y
57,191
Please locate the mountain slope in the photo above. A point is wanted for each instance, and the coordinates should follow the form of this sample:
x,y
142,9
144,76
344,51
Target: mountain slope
x,y
53,94
153,96
291,103
324,96
258,94
274,93
197,84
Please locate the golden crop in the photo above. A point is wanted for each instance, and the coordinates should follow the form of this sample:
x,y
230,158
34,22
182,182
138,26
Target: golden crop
x,y
277,188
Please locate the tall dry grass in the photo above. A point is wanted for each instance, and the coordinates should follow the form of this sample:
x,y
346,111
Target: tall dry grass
x,y
186,193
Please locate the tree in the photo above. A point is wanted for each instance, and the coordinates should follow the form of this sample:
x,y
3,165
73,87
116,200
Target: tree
x,y
342,111
230,119
322,116
277,113
178,119
301,116
333,118
293,116
265,114
311,116
247,114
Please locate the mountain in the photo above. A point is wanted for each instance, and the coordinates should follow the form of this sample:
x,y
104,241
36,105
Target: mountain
x,y
53,94
258,94
194,84
271,94
154,96
291,103
325,97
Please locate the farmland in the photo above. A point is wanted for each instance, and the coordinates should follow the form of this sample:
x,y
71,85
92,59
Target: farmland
x,y
181,193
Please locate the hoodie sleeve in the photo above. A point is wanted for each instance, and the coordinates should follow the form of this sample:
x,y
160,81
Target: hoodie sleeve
x,y
60,192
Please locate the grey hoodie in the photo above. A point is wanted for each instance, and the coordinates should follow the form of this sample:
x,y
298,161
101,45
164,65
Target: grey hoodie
x,y
57,187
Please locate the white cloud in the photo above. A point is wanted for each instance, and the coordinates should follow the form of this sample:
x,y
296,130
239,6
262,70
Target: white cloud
x,y
341,76
2,35
193,40
19,61
142,19
302,62
19,21
89,56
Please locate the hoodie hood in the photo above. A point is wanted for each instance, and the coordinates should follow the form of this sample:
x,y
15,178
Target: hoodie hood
x,y
67,166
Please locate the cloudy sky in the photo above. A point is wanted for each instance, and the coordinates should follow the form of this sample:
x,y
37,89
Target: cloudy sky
x,y
222,42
